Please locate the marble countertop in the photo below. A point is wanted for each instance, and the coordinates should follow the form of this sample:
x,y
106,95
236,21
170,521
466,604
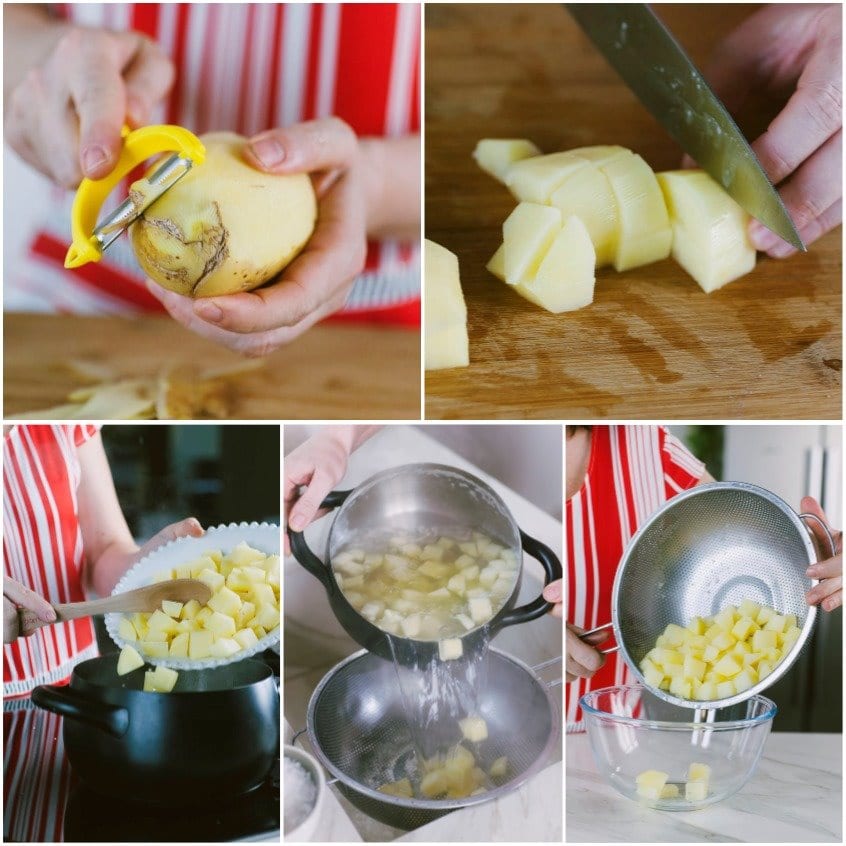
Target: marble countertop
x,y
314,642
795,796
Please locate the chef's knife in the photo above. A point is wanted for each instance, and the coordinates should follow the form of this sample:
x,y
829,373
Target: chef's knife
x,y
650,61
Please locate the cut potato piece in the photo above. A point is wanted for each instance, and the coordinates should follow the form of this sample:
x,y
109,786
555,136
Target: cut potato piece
x,y
527,235
645,233
534,180
696,791
709,229
650,783
670,791
587,193
128,660
565,279
474,729
499,767
447,343
160,680
496,155
398,788
450,649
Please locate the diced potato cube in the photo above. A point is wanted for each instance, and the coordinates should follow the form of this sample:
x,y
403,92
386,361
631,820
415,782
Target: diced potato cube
x,y
433,784
790,637
749,609
245,638
128,660
711,654
725,689
200,643
681,687
179,645
469,548
126,630
267,616
776,623
694,670
724,640
667,656
190,609
652,675
499,767
223,647
434,569
465,560
457,584
790,621
496,155
480,609
745,679
764,669
411,625
450,649
764,615
155,649
698,772
160,680
474,729
763,640
675,635
725,619
182,572
211,578
259,631
728,666
465,621
705,692
697,626
204,562
221,624
670,791
244,555
264,595
743,628
372,610
650,783
398,788
674,671
695,791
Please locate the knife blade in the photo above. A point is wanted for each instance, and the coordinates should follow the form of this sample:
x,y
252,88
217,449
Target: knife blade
x,y
656,68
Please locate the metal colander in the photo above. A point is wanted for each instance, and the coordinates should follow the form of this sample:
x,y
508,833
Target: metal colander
x,y
707,548
357,726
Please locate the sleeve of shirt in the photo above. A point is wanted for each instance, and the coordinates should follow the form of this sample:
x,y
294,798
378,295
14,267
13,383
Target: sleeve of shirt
x,y
682,469
84,433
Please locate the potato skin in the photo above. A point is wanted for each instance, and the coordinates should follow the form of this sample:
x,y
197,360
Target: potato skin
x,y
224,227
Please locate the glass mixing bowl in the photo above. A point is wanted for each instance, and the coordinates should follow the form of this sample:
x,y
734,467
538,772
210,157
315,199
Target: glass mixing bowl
x,y
632,731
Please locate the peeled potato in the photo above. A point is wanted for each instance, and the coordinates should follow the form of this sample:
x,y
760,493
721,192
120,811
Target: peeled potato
x,y
225,226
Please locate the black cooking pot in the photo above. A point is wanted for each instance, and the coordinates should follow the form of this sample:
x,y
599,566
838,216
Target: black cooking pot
x,y
415,498
214,736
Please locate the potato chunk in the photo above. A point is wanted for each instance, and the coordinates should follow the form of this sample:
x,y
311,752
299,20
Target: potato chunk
x,y
128,660
446,342
496,155
650,783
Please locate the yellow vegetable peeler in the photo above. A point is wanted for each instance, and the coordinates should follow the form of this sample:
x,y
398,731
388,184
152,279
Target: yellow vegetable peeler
x,y
90,238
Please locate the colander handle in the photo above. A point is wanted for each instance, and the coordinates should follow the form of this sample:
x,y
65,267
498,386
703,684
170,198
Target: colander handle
x,y
302,552
585,635
826,531
552,571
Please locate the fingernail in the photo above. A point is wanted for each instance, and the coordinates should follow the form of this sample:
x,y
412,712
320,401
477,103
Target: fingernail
x,y
93,157
268,151
298,522
761,237
49,615
811,571
209,311
552,593
782,250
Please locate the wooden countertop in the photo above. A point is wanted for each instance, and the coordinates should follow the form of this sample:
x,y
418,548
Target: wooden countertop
x,y
652,345
333,372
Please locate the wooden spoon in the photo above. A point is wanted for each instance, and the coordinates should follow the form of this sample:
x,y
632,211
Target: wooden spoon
x,y
142,599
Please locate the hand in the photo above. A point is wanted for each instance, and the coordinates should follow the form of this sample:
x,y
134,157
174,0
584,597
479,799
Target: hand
x,y
553,593
791,47
189,527
318,465
317,282
65,116
15,596
828,594
582,659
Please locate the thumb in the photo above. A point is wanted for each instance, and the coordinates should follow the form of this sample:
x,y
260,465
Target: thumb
x,y
306,507
323,144
553,592
189,527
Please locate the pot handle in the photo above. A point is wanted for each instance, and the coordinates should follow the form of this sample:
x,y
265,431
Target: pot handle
x,y
826,531
63,700
302,552
552,570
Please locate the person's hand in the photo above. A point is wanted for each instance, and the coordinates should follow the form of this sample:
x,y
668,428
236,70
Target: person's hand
x,y
311,471
65,116
583,660
791,48
317,282
553,593
15,596
828,594
189,527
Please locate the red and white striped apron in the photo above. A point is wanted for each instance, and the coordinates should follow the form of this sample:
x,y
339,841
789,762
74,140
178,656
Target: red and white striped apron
x,y
42,549
247,68
632,471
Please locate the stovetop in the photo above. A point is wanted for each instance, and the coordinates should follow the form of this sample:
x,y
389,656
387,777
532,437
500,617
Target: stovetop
x,y
44,800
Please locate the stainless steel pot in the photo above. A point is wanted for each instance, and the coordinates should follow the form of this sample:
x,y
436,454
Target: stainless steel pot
x,y
416,498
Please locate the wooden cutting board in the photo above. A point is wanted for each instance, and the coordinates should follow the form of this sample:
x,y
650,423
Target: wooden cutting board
x,y
333,372
652,345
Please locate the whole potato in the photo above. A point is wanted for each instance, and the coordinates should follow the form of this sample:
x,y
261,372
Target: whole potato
x,y
225,226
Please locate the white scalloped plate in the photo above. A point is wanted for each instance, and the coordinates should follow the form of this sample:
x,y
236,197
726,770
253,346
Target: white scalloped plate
x,y
261,536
